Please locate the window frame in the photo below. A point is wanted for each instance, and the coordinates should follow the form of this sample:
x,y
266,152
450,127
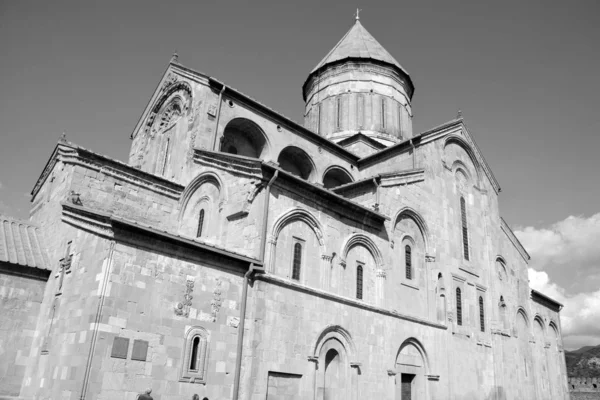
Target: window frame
x,y
360,266
459,306
198,375
481,304
201,222
408,262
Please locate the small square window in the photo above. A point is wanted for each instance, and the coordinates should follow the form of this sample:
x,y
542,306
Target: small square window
x,y
120,347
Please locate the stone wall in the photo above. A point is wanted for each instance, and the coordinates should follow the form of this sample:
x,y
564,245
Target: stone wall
x,y
20,303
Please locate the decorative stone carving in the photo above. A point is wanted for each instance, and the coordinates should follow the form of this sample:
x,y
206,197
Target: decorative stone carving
x,y
381,273
169,80
212,110
216,302
429,258
183,308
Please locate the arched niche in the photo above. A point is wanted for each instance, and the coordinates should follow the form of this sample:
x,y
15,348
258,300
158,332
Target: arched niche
x,y
336,176
335,353
297,162
538,330
205,192
411,370
501,269
295,226
245,138
409,222
440,292
522,324
457,148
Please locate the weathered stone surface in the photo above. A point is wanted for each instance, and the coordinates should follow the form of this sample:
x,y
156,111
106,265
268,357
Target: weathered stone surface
x,y
359,296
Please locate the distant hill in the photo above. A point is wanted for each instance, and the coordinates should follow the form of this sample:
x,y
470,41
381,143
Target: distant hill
x,y
584,362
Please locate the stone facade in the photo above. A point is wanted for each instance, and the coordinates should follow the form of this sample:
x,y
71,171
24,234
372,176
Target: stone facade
x,y
238,254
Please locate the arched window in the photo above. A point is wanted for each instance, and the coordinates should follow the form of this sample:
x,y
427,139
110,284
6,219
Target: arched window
x,y
359,282
465,232
458,307
200,223
195,357
408,261
481,315
297,261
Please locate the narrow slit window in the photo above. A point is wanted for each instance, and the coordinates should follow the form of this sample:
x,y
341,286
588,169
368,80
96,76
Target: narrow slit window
x,y
408,261
359,282
465,231
297,261
458,307
338,121
400,119
481,315
383,112
360,111
200,223
319,118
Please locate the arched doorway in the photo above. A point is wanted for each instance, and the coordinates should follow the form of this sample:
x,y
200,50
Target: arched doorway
x,y
411,370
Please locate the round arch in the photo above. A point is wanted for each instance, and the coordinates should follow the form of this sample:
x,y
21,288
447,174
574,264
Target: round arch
x,y
298,214
297,162
244,137
335,176
468,149
419,220
361,239
339,333
411,341
198,181
538,319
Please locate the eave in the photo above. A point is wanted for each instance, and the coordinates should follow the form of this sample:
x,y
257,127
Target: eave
x,y
545,300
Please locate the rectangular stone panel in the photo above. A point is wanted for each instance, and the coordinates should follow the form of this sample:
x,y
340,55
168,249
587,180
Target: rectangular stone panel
x,y
283,386
120,347
140,350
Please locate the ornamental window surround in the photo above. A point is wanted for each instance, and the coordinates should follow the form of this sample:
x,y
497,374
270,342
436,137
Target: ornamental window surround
x,y
195,356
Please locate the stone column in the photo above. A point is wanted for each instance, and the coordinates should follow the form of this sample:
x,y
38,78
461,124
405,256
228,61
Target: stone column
x,y
355,366
315,360
326,267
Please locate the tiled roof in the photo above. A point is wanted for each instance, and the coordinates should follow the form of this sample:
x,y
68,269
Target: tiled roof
x,y
20,243
358,43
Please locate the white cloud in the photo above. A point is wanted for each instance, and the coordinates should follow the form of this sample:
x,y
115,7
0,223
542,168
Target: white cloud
x,y
568,251
580,316
565,265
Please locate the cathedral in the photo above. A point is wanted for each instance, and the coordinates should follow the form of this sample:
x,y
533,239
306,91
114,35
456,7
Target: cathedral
x,y
240,255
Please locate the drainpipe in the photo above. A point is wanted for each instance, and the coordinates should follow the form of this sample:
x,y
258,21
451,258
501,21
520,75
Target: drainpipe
x,y
413,157
218,117
97,320
247,275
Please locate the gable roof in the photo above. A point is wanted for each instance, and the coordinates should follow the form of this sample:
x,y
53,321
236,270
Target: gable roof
x,y
21,244
358,43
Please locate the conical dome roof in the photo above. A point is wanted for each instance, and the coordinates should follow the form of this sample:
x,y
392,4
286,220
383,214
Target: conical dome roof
x,y
358,43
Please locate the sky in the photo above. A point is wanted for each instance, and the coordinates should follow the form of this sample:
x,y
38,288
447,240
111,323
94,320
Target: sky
x,y
524,74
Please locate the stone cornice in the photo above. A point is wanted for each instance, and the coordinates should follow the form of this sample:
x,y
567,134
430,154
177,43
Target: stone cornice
x,y
70,153
514,240
345,300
